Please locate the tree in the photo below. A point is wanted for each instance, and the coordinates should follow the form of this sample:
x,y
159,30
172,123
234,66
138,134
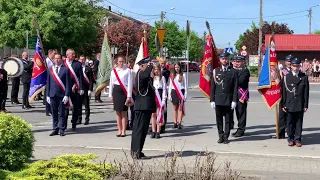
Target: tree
x,y
173,40
196,46
317,32
239,42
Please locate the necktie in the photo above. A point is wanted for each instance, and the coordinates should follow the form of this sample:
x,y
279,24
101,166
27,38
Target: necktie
x,y
57,70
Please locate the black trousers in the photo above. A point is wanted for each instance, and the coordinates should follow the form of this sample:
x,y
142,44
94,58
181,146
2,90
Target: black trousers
x,y
140,131
25,94
3,98
241,113
224,111
163,127
294,126
131,115
84,100
15,89
75,109
282,122
97,96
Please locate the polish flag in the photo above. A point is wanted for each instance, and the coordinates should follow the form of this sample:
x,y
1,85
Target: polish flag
x,y
143,53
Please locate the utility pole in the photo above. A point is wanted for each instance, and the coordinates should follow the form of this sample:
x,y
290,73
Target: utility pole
x,y
161,26
260,36
310,19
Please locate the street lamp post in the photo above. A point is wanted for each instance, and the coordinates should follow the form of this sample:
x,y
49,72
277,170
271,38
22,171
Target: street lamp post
x,y
310,17
114,51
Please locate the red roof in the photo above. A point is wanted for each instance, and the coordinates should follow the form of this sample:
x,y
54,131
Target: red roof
x,y
295,42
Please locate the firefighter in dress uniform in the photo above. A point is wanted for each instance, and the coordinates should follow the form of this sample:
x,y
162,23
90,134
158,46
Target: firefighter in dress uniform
x,y
295,100
224,96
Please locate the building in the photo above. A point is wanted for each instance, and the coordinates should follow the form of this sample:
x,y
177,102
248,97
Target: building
x,y
115,17
299,45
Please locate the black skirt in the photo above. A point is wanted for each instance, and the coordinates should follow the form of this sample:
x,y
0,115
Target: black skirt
x,y
119,99
175,97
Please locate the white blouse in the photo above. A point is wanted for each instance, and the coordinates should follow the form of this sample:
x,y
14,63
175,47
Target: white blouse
x,y
160,85
180,85
124,74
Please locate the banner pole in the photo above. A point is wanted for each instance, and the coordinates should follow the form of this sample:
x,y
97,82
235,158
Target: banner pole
x,y
277,121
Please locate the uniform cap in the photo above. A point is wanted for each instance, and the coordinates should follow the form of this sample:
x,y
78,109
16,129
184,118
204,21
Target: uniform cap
x,y
145,60
295,61
225,54
289,58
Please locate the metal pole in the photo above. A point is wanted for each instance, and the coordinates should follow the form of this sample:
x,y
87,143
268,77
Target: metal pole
x,y
187,53
161,26
260,35
310,19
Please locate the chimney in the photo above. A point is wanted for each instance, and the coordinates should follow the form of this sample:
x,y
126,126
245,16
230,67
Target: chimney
x,y
109,7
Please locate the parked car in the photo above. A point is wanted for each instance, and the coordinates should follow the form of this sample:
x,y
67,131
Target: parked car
x,y
193,66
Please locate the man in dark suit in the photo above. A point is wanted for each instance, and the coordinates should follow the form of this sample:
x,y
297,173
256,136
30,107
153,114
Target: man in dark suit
x,y
243,94
95,73
15,87
58,94
88,87
224,96
76,74
3,89
26,80
295,101
145,105
166,75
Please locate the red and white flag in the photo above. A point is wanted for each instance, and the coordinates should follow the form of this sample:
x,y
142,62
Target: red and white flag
x,y
143,53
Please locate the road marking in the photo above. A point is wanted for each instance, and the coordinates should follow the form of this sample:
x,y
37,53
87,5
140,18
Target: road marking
x,y
250,102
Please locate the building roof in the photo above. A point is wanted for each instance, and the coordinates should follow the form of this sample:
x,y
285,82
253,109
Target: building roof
x,y
295,42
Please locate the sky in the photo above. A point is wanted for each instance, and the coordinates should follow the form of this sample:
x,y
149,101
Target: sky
x,y
238,14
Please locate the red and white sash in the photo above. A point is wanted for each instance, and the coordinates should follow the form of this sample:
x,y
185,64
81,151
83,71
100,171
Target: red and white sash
x,y
244,95
86,79
60,83
285,71
120,82
179,93
76,85
160,115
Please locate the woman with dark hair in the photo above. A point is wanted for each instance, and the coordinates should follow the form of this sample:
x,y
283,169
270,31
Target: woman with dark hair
x,y
120,92
177,94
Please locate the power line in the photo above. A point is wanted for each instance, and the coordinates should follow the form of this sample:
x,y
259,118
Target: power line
x,y
314,21
131,11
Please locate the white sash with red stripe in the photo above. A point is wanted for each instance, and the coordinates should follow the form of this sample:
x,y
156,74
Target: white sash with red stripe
x,y
121,84
244,94
179,93
160,115
76,85
60,83
86,79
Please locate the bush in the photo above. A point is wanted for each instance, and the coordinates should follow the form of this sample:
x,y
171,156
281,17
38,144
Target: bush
x,y
65,167
16,142
253,71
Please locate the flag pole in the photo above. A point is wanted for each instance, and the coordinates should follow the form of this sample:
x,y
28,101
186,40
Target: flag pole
x,y
188,49
277,121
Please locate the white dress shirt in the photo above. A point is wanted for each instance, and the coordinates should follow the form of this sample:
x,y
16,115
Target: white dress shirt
x,y
55,68
180,85
124,74
157,84
49,63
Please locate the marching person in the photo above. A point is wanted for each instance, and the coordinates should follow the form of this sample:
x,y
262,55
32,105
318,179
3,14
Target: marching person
x,y
224,96
95,73
133,75
166,75
76,74
59,88
15,87
3,89
26,80
160,86
243,94
145,105
283,115
295,100
120,92
50,63
88,88
177,94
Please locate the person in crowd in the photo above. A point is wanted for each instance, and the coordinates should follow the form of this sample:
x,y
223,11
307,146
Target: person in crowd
x,y
95,75
166,74
130,65
26,80
50,63
15,87
3,89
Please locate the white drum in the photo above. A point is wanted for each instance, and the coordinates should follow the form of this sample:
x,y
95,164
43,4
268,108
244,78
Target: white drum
x,y
13,66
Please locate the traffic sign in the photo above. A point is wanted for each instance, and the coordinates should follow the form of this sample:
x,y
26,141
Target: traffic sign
x,y
32,41
228,50
244,53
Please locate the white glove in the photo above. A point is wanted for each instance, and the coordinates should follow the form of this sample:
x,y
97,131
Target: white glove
x,y
65,99
89,93
163,103
81,92
185,98
48,100
213,105
170,98
233,105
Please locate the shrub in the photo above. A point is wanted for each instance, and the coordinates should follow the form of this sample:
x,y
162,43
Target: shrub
x,y
65,167
16,142
253,71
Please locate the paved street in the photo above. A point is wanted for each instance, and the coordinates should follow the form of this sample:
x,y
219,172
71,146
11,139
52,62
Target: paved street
x,y
254,154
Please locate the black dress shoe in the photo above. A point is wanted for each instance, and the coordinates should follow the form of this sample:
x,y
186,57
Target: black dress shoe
x,y
225,141
142,155
220,140
153,135
53,133
158,135
234,133
30,107
74,126
162,131
86,122
179,126
48,114
175,126
62,133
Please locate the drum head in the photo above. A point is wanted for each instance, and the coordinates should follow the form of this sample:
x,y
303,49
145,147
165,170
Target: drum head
x,y
13,66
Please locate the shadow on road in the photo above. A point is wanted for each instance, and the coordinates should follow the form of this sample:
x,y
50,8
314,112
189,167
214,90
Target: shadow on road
x,y
189,130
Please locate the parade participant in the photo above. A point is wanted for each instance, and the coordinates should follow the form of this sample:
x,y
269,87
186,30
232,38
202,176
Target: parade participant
x,y
133,75
3,89
145,105
88,88
95,73
243,94
120,92
50,63
166,74
224,96
76,74
160,86
26,80
282,114
15,81
177,94
295,100
59,88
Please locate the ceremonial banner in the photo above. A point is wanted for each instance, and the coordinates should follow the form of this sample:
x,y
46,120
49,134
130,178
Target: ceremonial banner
x,y
160,34
39,73
143,53
105,65
269,79
209,62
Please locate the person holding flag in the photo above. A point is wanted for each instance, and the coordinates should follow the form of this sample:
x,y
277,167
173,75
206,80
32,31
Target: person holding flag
x,y
26,77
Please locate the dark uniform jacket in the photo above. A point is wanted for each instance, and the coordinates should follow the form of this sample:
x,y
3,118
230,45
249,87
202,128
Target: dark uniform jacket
x,y
95,68
227,92
27,71
295,102
166,74
243,79
3,81
148,102
77,68
88,71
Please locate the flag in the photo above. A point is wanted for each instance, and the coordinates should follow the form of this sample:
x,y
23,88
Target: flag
x,y
209,62
143,53
39,73
105,65
157,42
269,80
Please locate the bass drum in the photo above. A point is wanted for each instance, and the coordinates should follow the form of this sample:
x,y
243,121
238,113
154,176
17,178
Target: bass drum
x,y
13,66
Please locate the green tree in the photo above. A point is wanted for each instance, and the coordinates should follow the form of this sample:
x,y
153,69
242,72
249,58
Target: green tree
x,y
317,32
239,42
173,40
196,46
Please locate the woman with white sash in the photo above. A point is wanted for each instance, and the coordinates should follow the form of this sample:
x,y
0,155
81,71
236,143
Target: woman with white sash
x,y
120,92
159,84
177,94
